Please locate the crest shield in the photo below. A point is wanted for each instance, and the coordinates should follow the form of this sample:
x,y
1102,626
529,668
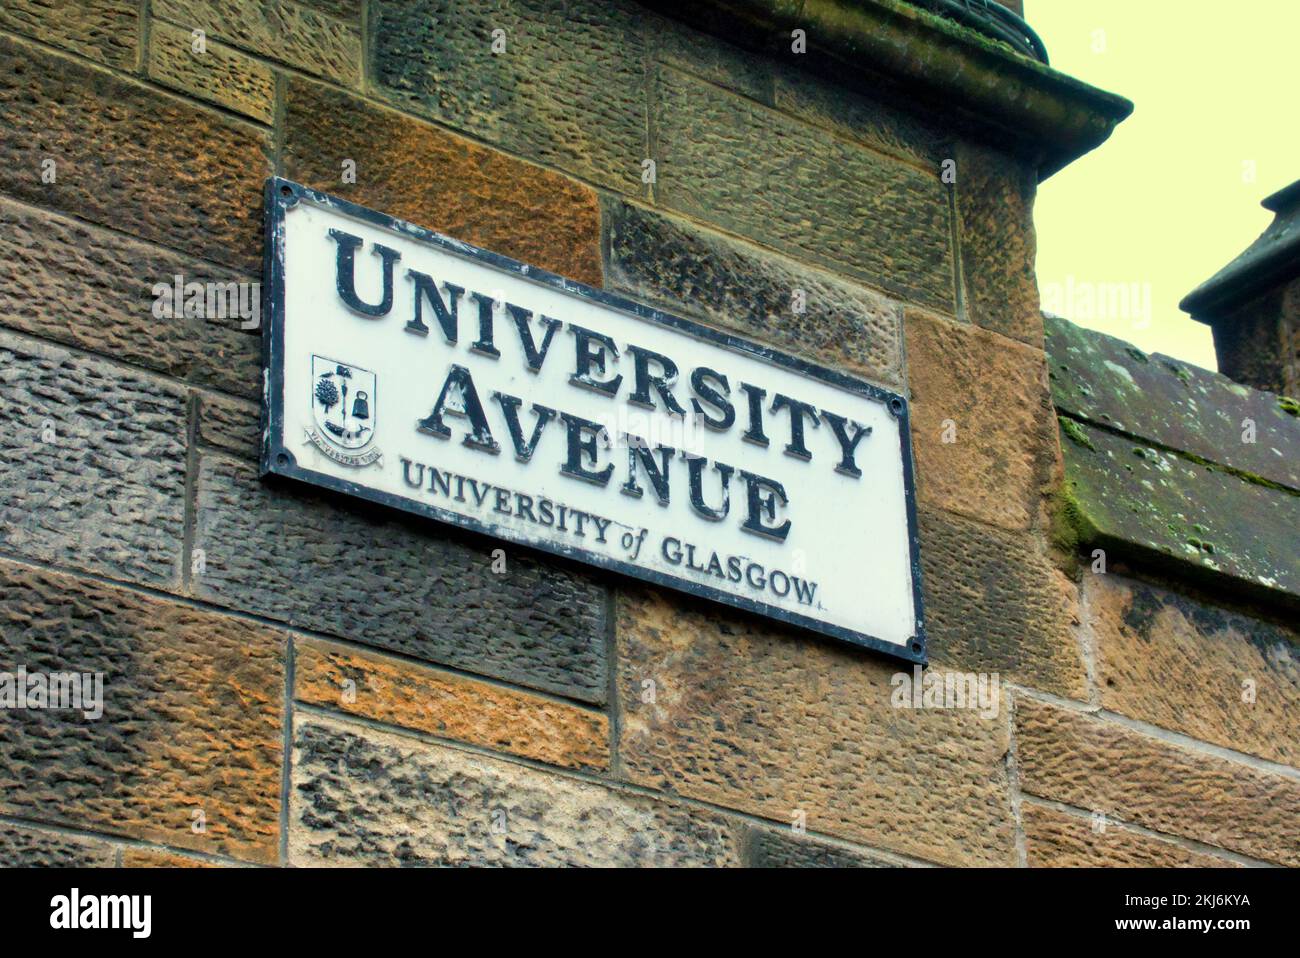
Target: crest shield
x,y
343,402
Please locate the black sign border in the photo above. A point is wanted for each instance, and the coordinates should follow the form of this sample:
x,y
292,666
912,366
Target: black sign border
x,y
281,195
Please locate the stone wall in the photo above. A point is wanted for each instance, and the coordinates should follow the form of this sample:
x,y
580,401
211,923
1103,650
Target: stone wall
x,y
273,698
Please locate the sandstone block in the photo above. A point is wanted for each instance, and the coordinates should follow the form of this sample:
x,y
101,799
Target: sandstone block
x,y
982,424
188,748
402,693
1213,675
389,581
1105,767
124,156
94,463
801,310
777,723
420,173
219,74
365,797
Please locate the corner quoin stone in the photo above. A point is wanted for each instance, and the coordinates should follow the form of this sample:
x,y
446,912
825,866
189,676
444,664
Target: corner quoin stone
x,y
995,603
982,423
995,209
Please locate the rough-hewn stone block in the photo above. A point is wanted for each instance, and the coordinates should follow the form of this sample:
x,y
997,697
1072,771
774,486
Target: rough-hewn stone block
x,y
569,90
1056,839
399,692
103,30
772,722
232,425
1105,767
801,190
219,74
993,603
160,858
279,30
92,288
192,703
708,58
125,156
349,10
23,846
995,212
803,310
1177,663
408,585
782,848
365,797
417,172
982,427
93,457
885,127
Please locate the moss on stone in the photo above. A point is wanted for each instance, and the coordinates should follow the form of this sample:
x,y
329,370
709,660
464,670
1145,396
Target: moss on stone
x,y
1069,528
1180,372
1075,433
1170,405
1164,504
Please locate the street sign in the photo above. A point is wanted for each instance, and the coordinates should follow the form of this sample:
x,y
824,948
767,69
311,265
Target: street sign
x,y
414,370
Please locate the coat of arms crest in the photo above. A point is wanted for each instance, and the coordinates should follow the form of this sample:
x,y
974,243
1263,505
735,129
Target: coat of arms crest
x,y
344,406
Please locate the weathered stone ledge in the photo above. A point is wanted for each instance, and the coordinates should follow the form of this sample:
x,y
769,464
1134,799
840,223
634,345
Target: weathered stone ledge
x,y
1176,466
980,84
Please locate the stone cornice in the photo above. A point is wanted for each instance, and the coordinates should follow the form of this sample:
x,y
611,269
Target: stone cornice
x,y
928,63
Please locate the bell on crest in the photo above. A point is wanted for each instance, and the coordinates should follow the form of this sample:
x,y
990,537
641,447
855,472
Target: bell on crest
x,y
361,407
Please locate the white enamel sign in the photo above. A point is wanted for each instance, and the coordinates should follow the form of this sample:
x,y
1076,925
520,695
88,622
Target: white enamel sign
x,y
416,371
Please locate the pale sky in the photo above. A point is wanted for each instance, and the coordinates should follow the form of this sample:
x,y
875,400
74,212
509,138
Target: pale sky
x,y
1173,195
